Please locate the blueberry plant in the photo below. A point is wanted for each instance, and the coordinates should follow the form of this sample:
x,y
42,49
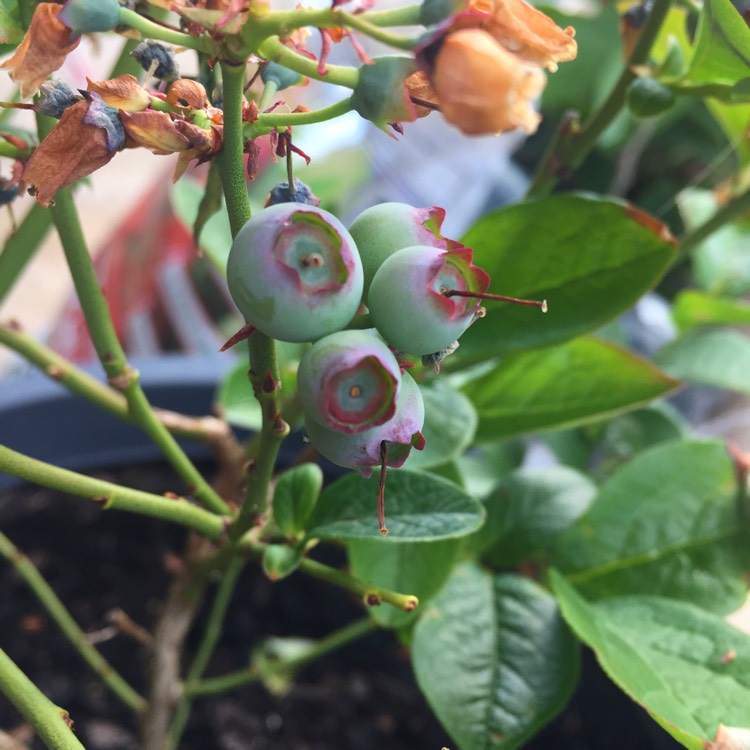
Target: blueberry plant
x,y
396,352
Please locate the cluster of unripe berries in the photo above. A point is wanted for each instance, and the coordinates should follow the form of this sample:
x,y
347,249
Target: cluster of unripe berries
x,y
297,274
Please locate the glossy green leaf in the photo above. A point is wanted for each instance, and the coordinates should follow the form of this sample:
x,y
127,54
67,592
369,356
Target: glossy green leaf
x,y
719,358
720,65
419,507
449,425
590,258
687,668
572,383
666,524
236,402
494,659
529,510
294,497
420,568
693,309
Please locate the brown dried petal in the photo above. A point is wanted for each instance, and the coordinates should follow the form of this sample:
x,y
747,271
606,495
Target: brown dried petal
x,y
122,93
187,94
531,34
419,90
482,88
155,131
70,152
43,50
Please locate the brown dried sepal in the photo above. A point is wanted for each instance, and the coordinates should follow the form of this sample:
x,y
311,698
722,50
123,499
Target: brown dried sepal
x,y
187,94
70,152
43,49
421,93
122,93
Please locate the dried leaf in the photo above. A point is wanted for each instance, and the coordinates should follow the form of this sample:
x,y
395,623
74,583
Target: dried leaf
x,y
122,92
43,49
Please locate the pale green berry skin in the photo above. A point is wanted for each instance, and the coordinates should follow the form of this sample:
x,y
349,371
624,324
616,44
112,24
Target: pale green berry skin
x,y
362,451
382,230
407,306
294,273
349,381
86,16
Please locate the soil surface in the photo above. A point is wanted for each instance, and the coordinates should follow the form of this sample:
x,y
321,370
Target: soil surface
x,y
362,697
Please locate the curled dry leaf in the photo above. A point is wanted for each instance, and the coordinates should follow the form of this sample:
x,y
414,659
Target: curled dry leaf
x,y
72,150
122,92
43,50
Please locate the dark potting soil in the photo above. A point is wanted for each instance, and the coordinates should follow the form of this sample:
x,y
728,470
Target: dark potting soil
x,y
362,697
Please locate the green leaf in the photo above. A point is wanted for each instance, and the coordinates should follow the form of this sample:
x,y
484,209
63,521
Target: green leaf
x,y
215,234
666,524
721,263
11,31
294,497
718,358
590,258
280,561
529,510
449,425
421,568
419,507
236,402
687,668
692,309
494,659
721,56
572,383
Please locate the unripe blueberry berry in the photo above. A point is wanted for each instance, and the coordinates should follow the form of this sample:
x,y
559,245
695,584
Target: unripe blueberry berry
x,y
401,433
84,16
349,381
294,273
410,301
384,229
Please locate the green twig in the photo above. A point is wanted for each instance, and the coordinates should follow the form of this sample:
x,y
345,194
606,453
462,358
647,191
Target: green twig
x,y
575,144
49,721
251,673
211,636
270,120
110,352
21,246
361,24
111,496
264,369
731,210
340,75
210,430
68,625
371,595
151,30
406,16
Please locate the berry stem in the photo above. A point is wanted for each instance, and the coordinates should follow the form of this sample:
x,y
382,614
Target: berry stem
x,y
152,30
381,487
541,304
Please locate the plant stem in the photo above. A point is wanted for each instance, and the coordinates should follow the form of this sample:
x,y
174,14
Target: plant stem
x,y
210,430
151,30
68,625
111,496
361,24
733,209
406,16
371,595
264,369
9,150
110,352
340,75
251,673
211,636
575,144
267,121
21,246
48,720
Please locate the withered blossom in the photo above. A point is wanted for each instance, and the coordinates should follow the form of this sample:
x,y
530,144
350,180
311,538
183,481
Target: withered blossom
x,y
84,140
43,50
122,92
162,134
529,33
187,94
482,88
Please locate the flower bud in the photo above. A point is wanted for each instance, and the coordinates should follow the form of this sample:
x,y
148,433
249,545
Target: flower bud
x,y
281,76
85,16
